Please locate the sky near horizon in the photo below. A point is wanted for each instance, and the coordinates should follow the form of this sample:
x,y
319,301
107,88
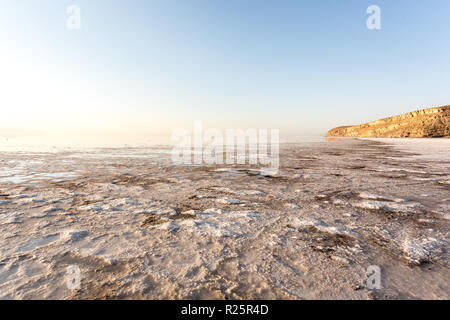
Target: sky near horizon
x,y
153,66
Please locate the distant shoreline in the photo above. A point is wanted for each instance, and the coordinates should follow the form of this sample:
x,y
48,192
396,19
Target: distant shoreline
x,y
426,123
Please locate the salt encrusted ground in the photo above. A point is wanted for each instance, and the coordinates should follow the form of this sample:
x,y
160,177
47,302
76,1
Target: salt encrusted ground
x,y
139,227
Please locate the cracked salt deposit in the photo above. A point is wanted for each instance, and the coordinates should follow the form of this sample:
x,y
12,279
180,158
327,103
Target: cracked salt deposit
x,y
390,206
419,251
140,227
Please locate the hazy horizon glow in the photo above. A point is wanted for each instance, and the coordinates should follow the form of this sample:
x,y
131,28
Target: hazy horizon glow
x,y
149,67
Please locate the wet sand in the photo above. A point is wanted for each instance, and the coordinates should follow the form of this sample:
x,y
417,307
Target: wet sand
x,y
139,227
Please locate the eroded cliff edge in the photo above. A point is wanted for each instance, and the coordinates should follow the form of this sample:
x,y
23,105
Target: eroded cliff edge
x,y
426,123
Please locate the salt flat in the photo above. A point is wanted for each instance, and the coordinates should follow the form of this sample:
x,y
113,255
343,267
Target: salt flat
x,y
139,227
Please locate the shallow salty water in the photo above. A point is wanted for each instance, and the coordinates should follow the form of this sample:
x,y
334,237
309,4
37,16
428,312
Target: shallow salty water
x,y
52,143
37,163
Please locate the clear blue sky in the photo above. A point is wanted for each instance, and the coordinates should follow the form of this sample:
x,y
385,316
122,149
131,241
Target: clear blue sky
x,y
156,65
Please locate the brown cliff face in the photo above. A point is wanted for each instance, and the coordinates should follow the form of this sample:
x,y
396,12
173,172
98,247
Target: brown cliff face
x,y
427,123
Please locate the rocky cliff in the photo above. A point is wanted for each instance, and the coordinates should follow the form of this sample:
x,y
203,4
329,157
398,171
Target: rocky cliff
x,y
432,122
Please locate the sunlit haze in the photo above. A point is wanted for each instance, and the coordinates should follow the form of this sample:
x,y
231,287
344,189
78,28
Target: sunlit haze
x,y
149,67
